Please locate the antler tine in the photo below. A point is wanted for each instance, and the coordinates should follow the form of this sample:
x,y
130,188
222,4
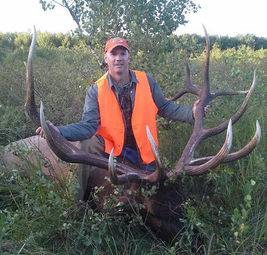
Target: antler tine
x,y
228,93
190,88
246,149
215,160
113,176
206,86
251,145
30,105
216,130
203,166
239,92
159,174
138,177
128,176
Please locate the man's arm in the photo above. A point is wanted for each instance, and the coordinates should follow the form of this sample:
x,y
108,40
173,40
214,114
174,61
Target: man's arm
x,y
90,122
168,109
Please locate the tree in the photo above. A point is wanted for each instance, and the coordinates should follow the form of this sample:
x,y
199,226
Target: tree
x,y
100,20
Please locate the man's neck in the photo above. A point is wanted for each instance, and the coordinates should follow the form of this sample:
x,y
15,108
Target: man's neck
x,y
121,79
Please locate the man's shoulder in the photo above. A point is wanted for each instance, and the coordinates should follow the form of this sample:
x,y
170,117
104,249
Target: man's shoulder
x,y
137,73
142,72
92,91
103,77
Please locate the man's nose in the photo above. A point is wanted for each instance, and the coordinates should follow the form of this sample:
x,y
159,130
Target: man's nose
x,y
118,57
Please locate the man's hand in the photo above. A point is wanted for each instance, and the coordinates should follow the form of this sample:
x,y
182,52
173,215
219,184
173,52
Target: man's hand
x,y
40,131
206,108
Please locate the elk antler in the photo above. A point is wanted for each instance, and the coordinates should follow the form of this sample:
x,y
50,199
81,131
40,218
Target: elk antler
x,y
200,166
196,167
30,105
66,150
69,153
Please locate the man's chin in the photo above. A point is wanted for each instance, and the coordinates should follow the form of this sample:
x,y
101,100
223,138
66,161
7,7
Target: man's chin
x,y
119,70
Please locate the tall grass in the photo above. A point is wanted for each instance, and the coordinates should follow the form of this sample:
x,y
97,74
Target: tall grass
x,y
227,207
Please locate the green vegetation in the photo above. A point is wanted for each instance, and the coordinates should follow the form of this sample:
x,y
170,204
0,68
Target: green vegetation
x,y
226,42
105,19
227,206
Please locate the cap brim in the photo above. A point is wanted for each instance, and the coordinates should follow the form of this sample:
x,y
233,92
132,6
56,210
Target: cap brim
x,y
112,48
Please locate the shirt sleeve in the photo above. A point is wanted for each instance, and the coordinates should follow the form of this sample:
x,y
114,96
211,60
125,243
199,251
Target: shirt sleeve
x,y
168,109
90,122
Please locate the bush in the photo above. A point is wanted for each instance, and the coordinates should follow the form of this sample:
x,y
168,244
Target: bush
x,y
227,206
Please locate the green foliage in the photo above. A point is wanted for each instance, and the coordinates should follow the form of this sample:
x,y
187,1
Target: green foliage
x,y
41,215
62,77
105,19
145,24
226,208
226,42
231,207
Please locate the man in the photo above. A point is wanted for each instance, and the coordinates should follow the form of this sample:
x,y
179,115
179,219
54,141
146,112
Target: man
x,y
116,111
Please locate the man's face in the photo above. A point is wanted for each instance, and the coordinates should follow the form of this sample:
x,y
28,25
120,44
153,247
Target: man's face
x,y
118,60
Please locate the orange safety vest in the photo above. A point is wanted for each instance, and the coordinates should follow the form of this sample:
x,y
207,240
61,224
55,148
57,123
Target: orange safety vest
x,y
112,127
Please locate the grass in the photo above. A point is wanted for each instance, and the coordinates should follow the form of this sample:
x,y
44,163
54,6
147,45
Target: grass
x,y
227,207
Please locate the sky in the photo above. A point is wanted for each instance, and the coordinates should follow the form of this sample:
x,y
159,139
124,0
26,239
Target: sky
x,y
220,17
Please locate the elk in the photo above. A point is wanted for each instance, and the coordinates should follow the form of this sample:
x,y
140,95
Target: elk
x,y
162,210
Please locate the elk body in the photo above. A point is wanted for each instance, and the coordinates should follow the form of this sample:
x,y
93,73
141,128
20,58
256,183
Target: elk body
x,y
33,149
163,210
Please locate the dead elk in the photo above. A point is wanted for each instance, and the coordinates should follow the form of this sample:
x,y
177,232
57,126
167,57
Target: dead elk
x,y
163,209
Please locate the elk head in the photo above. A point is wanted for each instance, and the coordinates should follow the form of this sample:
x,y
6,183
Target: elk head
x,y
163,209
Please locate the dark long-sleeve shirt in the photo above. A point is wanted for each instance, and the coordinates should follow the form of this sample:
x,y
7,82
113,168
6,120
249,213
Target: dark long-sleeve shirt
x,y
90,122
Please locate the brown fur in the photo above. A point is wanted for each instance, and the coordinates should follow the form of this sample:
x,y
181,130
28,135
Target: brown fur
x,y
32,149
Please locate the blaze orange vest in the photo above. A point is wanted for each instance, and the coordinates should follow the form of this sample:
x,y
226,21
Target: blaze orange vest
x,y
112,127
